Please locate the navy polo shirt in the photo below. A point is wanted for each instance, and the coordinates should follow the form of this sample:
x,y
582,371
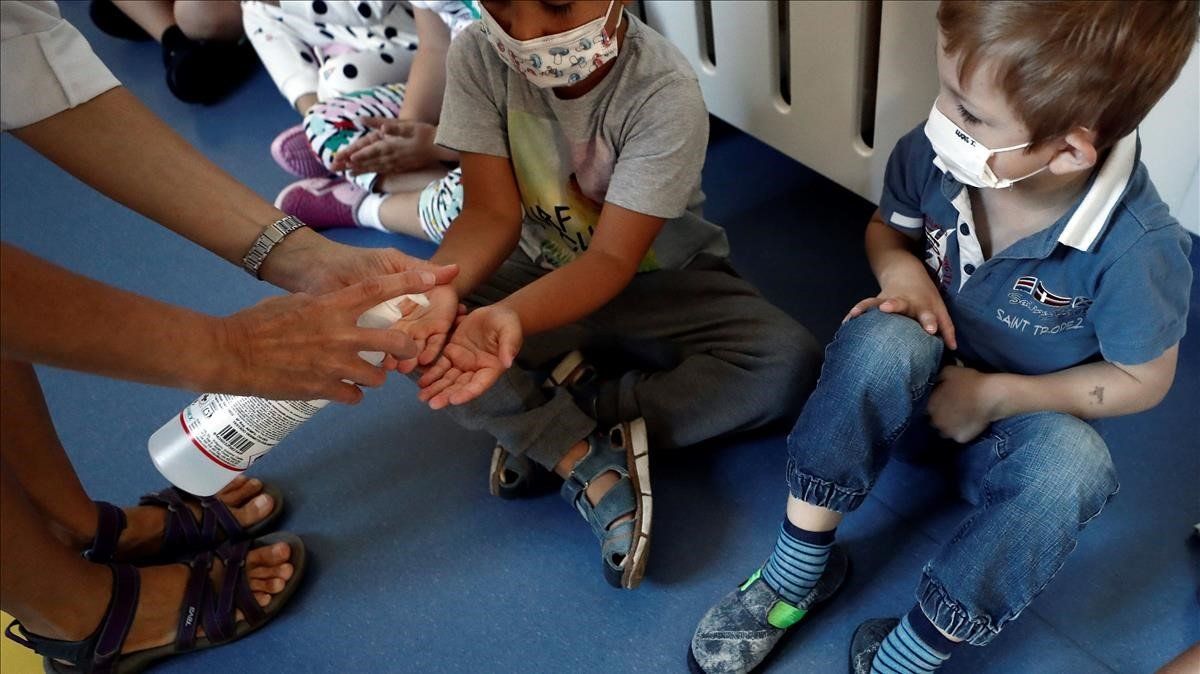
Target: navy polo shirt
x,y
1108,281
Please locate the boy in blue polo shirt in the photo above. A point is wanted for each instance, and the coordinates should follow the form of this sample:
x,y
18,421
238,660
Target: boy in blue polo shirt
x,y
1031,280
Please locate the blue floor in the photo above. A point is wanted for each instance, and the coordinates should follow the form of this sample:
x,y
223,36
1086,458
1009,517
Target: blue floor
x,y
416,568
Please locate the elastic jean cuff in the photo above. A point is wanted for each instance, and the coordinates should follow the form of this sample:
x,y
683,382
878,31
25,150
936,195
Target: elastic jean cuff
x,y
822,493
951,617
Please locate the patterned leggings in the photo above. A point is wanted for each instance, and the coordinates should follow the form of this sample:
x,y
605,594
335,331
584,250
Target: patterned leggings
x,y
334,124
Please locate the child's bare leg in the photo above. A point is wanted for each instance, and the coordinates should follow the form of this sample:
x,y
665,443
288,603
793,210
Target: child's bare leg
x,y
810,517
398,213
154,16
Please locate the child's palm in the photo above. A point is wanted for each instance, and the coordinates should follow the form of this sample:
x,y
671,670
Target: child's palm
x,y
480,350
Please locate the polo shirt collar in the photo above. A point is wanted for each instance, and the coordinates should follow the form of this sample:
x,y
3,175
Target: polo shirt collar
x,y
1095,210
1088,218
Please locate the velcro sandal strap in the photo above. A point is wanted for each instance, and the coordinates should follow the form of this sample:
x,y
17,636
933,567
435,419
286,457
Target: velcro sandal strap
x,y
215,518
99,652
616,502
110,522
181,533
127,586
195,596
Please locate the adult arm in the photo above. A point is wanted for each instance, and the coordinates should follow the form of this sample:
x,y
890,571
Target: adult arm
x,y
291,347
119,147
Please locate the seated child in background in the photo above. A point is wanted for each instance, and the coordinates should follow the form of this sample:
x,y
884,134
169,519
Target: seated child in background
x,y
1054,291
392,176
582,133
316,51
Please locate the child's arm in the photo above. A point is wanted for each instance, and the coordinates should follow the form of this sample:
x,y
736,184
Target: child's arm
x,y
427,76
483,235
574,291
904,285
966,401
487,340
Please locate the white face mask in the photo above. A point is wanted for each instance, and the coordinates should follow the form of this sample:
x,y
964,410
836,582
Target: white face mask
x,y
557,60
963,157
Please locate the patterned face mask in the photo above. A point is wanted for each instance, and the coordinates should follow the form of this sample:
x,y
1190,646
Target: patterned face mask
x,y
557,60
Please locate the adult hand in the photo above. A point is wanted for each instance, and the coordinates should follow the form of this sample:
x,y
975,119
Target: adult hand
x,y
308,262
393,146
914,296
303,346
484,344
963,403
427,326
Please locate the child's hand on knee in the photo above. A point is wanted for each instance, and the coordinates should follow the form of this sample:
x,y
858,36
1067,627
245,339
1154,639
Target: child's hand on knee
x,y
484,344
916,298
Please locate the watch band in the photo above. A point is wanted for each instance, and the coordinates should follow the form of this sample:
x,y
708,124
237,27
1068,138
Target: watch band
x,y
271,235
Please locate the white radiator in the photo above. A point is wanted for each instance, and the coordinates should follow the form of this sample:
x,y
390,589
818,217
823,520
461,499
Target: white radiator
x,y
835,83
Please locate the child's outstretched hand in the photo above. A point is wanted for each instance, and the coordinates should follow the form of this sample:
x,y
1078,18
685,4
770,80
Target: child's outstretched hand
x,y
427,326
483,345
914,296
963,403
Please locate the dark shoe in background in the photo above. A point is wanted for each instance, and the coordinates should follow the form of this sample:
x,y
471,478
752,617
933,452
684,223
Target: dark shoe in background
x,y
205,71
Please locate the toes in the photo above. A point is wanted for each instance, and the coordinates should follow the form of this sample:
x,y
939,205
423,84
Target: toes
x,y
271,585
246,491
262,598
270,555
255,510
283,571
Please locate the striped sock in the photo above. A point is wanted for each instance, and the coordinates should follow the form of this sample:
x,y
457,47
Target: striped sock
x,y
915,646
797,562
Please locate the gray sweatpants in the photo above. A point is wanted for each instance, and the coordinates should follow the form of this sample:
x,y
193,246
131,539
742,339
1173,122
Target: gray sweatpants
x,y
732,361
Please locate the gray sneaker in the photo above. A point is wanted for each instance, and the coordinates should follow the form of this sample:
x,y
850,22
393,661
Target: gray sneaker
x,y
737,634
866,642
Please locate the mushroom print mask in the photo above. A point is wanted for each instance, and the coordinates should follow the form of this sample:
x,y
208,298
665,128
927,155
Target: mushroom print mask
x,y
557,60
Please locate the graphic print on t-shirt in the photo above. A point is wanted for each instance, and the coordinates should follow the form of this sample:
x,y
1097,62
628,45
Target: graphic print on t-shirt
x,y
562,186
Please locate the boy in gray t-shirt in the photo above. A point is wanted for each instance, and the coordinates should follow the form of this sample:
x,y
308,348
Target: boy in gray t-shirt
x,y
582,134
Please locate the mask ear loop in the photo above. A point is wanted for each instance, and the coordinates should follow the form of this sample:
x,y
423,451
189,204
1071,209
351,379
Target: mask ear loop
x,y
620,17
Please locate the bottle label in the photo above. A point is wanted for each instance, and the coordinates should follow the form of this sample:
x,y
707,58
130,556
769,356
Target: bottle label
x,y
234,431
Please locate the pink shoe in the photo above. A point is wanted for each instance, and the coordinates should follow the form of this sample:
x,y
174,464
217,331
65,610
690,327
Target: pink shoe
x,y
292,152
322,202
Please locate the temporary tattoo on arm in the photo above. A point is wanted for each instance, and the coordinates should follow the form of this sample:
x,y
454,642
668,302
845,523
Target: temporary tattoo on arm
x,y
1098,394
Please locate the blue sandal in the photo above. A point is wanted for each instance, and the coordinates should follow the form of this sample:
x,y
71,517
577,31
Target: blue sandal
x,y
624,547
513,476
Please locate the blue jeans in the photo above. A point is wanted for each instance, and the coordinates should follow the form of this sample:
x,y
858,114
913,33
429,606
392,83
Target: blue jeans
x,y
1039,477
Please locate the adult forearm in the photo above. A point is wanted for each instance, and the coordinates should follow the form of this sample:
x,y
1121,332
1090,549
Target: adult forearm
x,y
570,293
116,145
59,318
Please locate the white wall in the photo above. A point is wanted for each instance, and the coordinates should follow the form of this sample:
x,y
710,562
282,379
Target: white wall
x,y
820,127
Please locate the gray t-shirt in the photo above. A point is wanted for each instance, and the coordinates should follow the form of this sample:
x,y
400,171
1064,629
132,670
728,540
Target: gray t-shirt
x,y
637,141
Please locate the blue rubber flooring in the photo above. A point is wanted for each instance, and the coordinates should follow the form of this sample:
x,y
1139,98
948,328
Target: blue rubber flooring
x,y
417,569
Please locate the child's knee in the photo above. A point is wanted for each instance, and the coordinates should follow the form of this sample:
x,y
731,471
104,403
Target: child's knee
x,y
1070,466
887,348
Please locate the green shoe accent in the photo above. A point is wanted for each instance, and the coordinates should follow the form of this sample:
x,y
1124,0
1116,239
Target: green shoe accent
x,y
750,581
783,615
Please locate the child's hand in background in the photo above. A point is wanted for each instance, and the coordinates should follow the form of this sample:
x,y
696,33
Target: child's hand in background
x,y
427,326
484,344
394,146
963,403
912,294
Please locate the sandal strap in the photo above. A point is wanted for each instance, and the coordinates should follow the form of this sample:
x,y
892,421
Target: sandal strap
x,y
616,503
110,522
598,461
180,533
216,517
191,610
99,652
